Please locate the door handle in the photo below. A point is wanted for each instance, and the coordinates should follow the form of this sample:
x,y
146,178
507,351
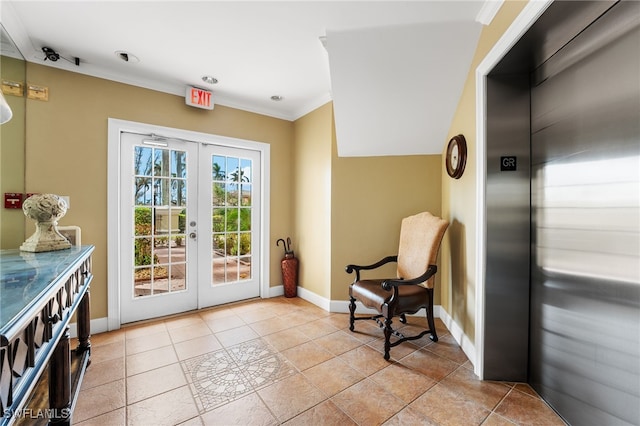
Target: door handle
x,y
192,235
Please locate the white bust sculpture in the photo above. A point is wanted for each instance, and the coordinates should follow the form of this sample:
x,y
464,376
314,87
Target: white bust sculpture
x,y
45,209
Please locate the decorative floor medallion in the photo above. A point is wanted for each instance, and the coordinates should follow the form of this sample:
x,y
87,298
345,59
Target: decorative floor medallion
x,y
225,375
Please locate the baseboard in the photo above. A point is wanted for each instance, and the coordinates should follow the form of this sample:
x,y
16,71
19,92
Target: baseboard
x,y
458,334
98,325
276,291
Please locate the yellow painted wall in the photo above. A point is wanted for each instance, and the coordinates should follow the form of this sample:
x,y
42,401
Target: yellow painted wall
x,y
66,152
458,252
370,196
312,198
12,222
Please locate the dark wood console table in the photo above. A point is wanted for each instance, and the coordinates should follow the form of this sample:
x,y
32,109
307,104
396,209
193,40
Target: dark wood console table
x,y
39,293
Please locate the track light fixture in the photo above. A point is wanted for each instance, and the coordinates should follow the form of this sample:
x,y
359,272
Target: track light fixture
x,y
53,56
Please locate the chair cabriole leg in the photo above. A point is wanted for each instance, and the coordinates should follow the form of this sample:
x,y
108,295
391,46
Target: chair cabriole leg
x,y
387,337
430,321
352,310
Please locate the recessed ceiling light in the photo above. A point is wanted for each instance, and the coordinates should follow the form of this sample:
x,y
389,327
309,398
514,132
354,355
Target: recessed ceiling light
x,y
209,79
277,98
126,56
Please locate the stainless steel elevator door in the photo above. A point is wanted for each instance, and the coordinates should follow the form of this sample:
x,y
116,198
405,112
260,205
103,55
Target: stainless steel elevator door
x,y
585,205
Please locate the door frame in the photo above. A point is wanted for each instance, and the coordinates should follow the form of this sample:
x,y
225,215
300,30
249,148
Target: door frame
x,y
529,15
115,127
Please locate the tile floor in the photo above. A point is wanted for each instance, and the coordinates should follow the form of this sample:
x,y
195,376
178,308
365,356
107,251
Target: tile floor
x,y
286,361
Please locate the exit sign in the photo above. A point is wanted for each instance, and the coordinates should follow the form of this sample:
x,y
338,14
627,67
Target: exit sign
x,y
199,98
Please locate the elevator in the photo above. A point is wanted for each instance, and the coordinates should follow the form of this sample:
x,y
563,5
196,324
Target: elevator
x,y
562,283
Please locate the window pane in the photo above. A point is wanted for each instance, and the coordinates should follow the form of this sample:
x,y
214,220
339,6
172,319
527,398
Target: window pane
x,y
218,195
245,166
232,220
232,270
179,164
142,191
245,243
245,219
142,251
232,194
218,220
246,194
245,268
161,162
161,192
233,173
178,192
143,221
178,277
142,161
218,168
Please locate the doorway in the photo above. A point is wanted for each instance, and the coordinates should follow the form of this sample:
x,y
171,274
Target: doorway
x,y
189,213
562,282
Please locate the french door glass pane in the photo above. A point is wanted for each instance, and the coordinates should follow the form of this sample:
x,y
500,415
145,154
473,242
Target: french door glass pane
x,y
231,218
160,199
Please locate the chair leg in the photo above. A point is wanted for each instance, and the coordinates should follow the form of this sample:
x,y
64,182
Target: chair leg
x,y
352,310
430,321
387,338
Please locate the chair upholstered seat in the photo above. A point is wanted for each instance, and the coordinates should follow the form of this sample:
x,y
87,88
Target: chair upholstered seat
x,y
412,289
371,294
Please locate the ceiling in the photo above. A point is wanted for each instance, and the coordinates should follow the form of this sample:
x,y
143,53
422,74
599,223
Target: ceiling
x,y
394,69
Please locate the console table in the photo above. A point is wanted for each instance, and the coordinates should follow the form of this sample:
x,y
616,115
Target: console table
x,y
39,293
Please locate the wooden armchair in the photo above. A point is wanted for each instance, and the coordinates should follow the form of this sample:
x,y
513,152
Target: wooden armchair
x,y
412,290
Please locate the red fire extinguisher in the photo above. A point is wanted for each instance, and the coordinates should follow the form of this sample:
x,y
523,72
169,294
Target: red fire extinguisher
x,y
289,265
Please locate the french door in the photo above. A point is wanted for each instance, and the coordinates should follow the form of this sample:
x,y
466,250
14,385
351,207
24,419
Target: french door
x,y
190,222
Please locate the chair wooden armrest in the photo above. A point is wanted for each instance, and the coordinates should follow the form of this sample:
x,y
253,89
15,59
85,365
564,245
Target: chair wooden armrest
x,y
357,268
431,270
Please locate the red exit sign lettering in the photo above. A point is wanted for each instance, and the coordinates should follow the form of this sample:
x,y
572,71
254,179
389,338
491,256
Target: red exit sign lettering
x,y
199,98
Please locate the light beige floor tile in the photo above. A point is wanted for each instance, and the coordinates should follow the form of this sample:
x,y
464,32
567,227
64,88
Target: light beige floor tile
x,y
145,343
486,393
100,373
365,359
144,329
307,355
367,403
168,408
150,360
236,335
284,399
317,328
154,382
430,364
403,382
326,414
189,332
333,376
447,408
100,339
197,346
195,421
338,343
99,400
248,410
183,321
497,420
408,416
520,407
107,352
112,418
286,339
225,323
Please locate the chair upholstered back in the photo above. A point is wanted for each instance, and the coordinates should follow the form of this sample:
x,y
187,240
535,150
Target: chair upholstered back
x,y
420,238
